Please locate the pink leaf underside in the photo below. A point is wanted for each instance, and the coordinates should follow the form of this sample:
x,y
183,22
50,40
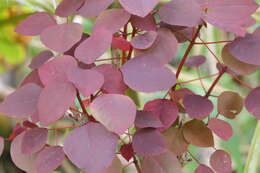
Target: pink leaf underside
x,y
62,37
49,159
54,101
113,77
181,12
2,145
25,162
197,106
35,24
166,110
56,69
221,162
40,59
220,128
93,8
22,103
195,61
166,162
94,46
106,20
142,73
147,23
252,102
34,140
71,51
33,78
140,8
149,142
144,41
159,50
246,49
85,141
146,119
86,81
68,7
116,112
203,169
221,14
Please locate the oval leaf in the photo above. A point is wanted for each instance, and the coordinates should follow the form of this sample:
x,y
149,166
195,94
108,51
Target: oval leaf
x,y
40,59
144,41
195,61
221,162
146,119
221,128
252,102
203,169
68,7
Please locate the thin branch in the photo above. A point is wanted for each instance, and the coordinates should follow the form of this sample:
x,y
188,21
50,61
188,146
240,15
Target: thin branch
x,y
137,165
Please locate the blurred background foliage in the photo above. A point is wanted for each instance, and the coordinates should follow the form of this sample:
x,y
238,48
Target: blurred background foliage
x,y
16,52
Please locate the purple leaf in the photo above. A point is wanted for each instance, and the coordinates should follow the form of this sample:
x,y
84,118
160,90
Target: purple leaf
x,y
86,81
144,41
94,46
2,145
33,78
221,162
147,23
195,61
252,102
84,148
146,119
116,112
181,12
203,169
35,24
114,83
49,159
148,142
56,69
140,8
61,38
197,106
221,128
22,103
34,140
40,59
68,7
71,51
165,109
92,8
54,101
142,73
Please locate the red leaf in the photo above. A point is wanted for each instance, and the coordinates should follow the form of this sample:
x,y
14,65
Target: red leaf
x,y
40,59
252,102
68,7
120,42
127,151
220,128
17,130
221,162
147,23
146,119
144,41
203,169
32,78
28,124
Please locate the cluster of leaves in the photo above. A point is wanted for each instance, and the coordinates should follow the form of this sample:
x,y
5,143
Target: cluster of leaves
x,y
160,132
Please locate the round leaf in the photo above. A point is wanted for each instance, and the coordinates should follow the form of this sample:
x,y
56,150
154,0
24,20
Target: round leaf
x,y
252,102
220,128
221,162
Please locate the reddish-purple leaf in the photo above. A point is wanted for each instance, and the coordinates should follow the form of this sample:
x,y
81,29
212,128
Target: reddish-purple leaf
x,y
165,109
257,31
2,145
34,140
61,38
252,102
120,42
116,112
35,24
49,159
197,106
91,147
221,162
115,167
221,128
71,51
92,8
147,23
144,41
17,130
197,133
68,7
181,94
56,69
94,46
146,119
241,50
22,103
203,169
142,73
114,83
54,101
35,117
195,61
25,162
106,20
140,8
160,48
32,77
149,142
181,12
40,59
86,81
127,151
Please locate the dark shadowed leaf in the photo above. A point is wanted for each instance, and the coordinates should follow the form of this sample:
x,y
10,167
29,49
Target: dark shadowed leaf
x,y
181,94
84,148
32,77
203,169
71,51
221,128
147,23
149,142
195,61
144,41
22,103
146,119
197,133
40,59
252,102
68,7
221,162
35,24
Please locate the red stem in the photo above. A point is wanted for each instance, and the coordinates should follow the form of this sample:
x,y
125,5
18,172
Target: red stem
x,y
215,42
137,165
83,107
